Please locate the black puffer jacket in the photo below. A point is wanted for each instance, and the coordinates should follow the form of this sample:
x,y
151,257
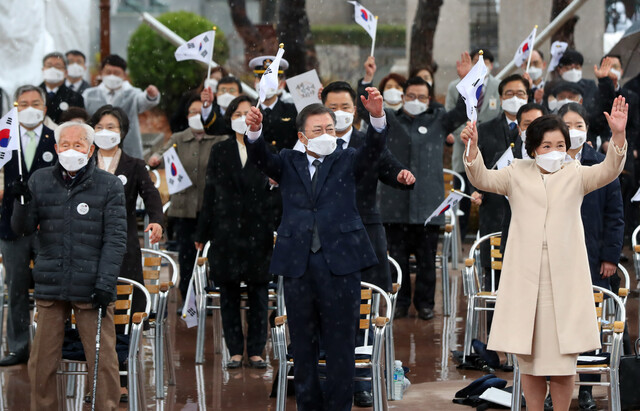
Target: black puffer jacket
x,y
82,232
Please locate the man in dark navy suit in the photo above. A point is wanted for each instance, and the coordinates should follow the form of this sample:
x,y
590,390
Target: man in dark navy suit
x,y
38,151
322,245
59,96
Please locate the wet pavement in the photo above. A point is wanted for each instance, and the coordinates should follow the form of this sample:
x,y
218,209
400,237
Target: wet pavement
x,y
424,346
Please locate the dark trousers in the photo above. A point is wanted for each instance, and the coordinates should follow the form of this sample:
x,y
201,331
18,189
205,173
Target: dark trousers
x,y
258,299
323,306
17,255
404,239
363,372
185,230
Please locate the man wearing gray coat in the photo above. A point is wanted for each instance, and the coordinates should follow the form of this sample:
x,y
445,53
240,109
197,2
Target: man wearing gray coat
x,y
78,212
489,109
116,90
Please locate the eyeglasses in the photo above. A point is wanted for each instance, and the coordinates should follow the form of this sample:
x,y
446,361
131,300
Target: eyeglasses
x,y
35,104
511,93
318,131
423,98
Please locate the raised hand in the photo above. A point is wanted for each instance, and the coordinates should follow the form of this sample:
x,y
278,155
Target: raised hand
x,y
369,69
254,119
464,65
152,91
373,103
618,118
469,135
406,177
603,70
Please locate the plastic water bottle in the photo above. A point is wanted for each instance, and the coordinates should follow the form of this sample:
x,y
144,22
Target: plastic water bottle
x,y
398,380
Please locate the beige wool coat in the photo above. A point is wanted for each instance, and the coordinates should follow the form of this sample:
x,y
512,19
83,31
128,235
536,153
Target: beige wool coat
x,y
550,211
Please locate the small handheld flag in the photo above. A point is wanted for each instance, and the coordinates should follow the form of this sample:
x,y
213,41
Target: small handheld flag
x,y
451,201
505,159
9,135
269,80
557,51
190,309
198,48
470,89
366,20
524,50
176,175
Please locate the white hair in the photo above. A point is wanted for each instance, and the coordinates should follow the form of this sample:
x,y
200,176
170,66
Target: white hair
x,y
89,133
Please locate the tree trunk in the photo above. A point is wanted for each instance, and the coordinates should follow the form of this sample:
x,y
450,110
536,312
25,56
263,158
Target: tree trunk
x,y
255,44
423,32
565,33
268,10
295,33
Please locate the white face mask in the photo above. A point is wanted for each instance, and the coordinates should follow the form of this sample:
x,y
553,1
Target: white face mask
x,y
415,107
553,105
225,99
392,96
72,160
75,70
30,117
551,161
212,83
112,82
53,75
343,120
513,104
322,145
578,137
107,139
573,75
239,124
616,73
195,122
535,73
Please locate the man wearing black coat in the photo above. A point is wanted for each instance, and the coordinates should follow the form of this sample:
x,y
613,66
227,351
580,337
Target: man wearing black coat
x,y
79,215
59,96
38,151
215,104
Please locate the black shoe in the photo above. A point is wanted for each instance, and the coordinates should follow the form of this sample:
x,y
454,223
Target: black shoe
x,y
14,359
260,364
548,405
124,397
231,365
363,399
585,401
400,312
425,313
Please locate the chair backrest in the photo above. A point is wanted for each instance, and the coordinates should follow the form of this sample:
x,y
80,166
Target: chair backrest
x,y
398,283
152,261
472,274
623,291
450,177
370,295
636,251
615,327
123,305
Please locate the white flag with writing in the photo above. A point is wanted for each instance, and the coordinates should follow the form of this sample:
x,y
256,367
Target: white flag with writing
x,y
176,175
365,19
198,48
470,88
9,135
523,51
269,81
557,51
505,159
451,201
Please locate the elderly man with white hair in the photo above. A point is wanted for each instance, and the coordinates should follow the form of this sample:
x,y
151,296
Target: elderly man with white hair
x,y
79,214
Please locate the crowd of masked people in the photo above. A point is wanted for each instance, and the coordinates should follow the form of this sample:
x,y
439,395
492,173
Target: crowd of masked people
x,y
68,217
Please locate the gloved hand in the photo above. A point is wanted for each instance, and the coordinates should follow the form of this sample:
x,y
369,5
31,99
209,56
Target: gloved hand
x,y
101,298
20,188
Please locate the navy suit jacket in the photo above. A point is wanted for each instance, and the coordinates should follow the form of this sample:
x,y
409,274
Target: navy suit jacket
x,y
345,243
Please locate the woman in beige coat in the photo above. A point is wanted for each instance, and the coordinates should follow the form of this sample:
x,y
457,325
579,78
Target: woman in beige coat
x,y
544,311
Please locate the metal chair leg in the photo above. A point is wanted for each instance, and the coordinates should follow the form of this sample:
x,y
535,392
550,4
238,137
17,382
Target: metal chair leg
x,y
71,381
202,315
389,357
516,397
171,367
159,345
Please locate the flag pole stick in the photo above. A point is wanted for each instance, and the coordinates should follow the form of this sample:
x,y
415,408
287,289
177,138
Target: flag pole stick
x,y
533,43
462,194
15,104
373,40
211,55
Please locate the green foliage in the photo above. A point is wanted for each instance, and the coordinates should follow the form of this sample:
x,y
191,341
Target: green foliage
x,y
151,58
387,35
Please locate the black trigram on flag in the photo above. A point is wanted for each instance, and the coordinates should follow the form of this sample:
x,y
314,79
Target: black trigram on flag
x,y
190,45
9,121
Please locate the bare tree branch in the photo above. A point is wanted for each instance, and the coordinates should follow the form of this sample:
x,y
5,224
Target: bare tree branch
x,y
295,33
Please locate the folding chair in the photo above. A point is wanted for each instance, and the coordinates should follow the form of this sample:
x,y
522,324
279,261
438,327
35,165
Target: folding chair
x,y
152,263
609,369
72,368
450,177
371,318
478,298
389,347
208,298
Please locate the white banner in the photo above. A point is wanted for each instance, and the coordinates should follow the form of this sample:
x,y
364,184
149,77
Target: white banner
x,y
304,89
